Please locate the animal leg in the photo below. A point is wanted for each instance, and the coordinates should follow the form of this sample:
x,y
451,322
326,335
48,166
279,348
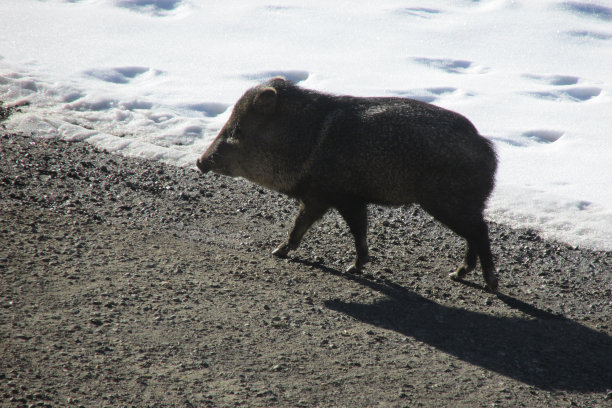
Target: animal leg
x,y
486,258
308,214
469,262
470,225
356,216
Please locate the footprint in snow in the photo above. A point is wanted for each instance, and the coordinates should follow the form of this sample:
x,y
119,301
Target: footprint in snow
x,y
590,35
290,75
421,12
583,93
136,104
72,95
452,66
157,8
565,89
543,135
96,105
118,75
590,10
531,138
554,79
428,95
573,94
209,109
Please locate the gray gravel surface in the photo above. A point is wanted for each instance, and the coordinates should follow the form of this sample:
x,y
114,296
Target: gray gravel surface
x,y
127,282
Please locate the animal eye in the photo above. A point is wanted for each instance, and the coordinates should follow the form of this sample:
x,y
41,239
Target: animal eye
x,y
237,131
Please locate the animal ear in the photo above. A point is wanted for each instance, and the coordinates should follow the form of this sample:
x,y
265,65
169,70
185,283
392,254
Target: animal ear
x,y
278,78
265,100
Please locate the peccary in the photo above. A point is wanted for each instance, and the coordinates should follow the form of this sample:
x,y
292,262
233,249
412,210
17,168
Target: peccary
x,y
344,152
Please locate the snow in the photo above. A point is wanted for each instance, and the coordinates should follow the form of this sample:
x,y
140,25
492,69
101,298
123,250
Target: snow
x,y
157,79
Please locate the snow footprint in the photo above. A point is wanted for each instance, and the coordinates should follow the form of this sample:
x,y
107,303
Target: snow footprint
x,y
452,66
566,89
575,94
554,79
590,10
531,137
421,12
430,95
290,75
543,135
157,8
118,75
590,35
208,109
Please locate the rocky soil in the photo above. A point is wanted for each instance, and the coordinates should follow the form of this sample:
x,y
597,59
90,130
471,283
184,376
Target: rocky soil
x,y
133,283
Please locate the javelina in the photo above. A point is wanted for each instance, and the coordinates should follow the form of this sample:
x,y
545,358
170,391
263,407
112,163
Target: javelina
x,y
345,152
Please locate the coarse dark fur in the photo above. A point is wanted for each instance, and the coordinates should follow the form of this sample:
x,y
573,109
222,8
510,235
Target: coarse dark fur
x,y
345,152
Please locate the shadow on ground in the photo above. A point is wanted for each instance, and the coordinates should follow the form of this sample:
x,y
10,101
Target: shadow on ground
x,y
542,349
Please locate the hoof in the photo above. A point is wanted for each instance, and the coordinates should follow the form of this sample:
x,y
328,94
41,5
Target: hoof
x,y
281,251
459,274
457,277
492,284
353,269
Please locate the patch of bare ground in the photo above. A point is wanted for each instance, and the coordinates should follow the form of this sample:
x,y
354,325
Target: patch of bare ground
x,y
131,283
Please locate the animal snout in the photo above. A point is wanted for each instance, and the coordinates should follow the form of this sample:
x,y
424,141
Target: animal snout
x,y
201,164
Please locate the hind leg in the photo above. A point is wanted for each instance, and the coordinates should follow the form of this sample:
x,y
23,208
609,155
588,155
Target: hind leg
x,y
486,259
478,242
355,214
473,228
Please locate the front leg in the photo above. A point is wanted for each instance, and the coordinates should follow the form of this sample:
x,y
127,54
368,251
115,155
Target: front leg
x,y
308,214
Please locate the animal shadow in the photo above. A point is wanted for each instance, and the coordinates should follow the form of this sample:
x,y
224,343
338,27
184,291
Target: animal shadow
x,y
541,349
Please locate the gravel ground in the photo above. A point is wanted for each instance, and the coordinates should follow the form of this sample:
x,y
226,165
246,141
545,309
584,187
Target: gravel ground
x,y
133,283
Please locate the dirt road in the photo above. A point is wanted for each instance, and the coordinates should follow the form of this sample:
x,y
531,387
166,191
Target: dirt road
x,y
132,283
